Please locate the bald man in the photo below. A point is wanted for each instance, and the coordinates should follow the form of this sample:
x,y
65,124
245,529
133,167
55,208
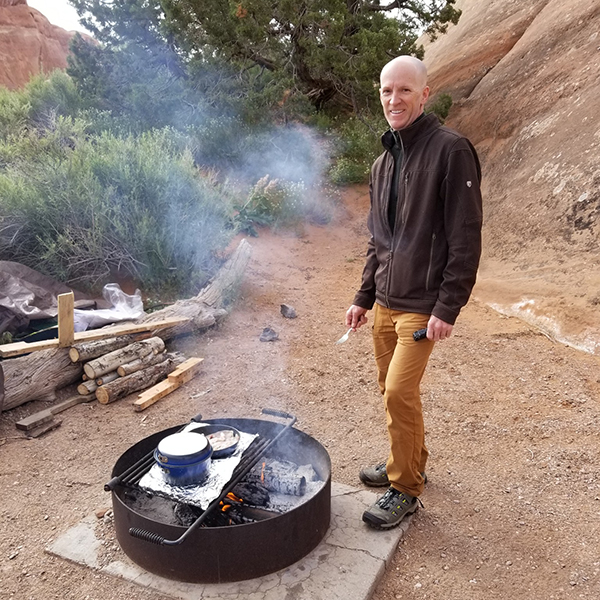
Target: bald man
x,y
422,259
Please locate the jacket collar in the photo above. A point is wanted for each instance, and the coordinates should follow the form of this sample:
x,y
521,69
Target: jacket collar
x,y
422,126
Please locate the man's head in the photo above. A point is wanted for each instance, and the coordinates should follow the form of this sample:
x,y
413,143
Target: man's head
x,y
403,91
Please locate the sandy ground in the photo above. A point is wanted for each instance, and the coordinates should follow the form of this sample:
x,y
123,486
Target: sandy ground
x,y
512,507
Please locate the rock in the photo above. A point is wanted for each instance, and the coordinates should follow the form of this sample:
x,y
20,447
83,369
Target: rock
x,y
289,312
524,80
29,44
268,335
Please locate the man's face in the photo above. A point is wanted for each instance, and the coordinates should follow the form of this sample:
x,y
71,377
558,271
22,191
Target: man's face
x,y
403,94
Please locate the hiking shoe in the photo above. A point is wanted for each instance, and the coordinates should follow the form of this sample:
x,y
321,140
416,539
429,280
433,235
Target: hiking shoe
x,y
377,476
390,509
374,476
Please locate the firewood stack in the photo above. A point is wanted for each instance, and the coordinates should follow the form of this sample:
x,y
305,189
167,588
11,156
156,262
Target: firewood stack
x,y
117,367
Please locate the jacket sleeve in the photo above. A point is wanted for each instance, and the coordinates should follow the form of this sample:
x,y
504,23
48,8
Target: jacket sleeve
x,y
463,216
365,297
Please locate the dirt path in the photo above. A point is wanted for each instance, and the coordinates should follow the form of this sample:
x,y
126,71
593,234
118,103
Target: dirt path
x,y
512,507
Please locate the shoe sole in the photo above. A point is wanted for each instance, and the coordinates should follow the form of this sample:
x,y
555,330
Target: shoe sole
x,y
377,524
372,483
385,483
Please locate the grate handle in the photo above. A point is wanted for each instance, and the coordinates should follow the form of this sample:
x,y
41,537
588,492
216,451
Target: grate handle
x,y
147,536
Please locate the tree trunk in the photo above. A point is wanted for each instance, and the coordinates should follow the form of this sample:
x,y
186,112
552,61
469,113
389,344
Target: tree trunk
x,y
38,375
123,386
111,361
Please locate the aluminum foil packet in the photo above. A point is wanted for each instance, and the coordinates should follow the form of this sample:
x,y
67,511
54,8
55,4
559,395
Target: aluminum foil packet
x,y
219,474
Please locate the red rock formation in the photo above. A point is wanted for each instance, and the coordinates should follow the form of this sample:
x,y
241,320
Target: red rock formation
x,y
524,76
29,44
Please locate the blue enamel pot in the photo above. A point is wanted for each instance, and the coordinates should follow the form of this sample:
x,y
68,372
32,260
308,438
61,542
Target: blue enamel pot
x,y
184,458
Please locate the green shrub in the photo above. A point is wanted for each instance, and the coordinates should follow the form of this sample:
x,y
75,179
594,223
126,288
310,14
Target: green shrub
x,y
14,112
441,106
281,203
88,210
357,145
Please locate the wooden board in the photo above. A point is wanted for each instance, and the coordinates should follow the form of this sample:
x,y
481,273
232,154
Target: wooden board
x,y
185,371
47,414
66,322
18,348
45,428
182,374
154,394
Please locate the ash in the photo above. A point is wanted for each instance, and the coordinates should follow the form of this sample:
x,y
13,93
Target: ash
x,y
283,502
155,508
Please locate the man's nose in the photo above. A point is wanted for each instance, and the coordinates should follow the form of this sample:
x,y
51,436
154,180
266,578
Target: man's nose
x,y
394,98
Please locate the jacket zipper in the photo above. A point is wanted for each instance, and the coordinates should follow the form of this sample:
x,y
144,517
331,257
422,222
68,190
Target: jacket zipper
x,y
430,262
395,231
403,212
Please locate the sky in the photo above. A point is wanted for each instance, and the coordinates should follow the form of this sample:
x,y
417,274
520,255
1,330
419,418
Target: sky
x,y
58,12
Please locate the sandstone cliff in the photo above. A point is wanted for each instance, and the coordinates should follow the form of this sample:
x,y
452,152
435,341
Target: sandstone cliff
x,y
29,44
524,76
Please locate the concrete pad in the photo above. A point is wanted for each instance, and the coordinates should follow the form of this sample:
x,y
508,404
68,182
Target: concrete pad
x,y
348,562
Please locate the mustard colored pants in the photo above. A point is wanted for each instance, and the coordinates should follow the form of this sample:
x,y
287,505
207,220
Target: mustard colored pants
x,y
401,363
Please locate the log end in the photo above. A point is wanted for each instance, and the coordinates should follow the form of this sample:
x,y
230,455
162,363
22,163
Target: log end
x,y
102,396
74,354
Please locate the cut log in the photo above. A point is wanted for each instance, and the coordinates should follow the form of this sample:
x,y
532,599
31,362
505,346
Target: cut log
x,y
283,477
206,309
139,364
113,360
107,378
123,386
87,387
38,375
87,350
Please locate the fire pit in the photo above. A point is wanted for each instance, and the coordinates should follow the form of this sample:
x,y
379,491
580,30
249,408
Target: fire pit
x,y
215,548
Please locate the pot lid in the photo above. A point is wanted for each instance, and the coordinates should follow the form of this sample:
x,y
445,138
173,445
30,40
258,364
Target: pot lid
x,y
183,444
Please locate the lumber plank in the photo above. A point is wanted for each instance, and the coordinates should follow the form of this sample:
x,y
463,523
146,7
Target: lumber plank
x,y
45,428
35,420
154,394
182,374
186,370
18,348
66,323
43,416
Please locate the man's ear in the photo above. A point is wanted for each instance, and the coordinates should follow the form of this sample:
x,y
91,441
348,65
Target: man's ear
x,y
425,93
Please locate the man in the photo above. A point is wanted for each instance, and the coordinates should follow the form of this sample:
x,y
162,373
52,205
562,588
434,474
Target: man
x,y
422,259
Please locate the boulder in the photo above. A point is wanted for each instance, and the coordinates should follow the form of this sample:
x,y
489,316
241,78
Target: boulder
x,y
524,76
29,44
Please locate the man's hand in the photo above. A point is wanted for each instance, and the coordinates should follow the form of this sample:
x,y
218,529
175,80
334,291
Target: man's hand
x,y
356,316
438,330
